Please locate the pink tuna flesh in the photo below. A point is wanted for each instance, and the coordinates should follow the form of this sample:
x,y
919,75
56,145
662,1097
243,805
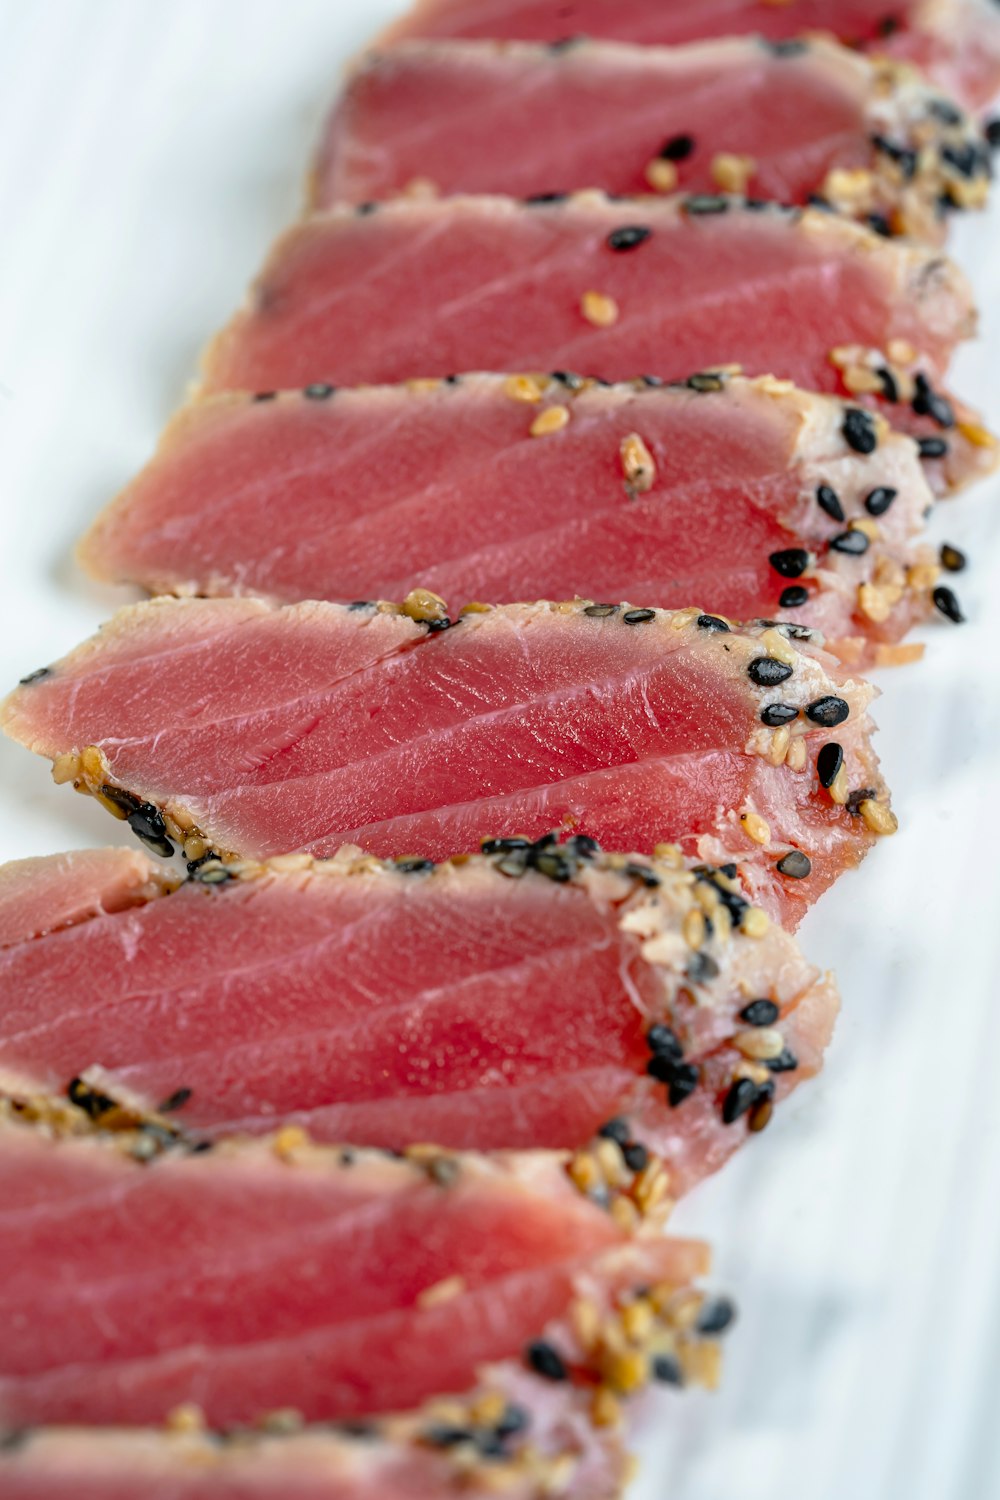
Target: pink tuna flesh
x,y
279,1274
957,42
458,497
281,729
505,1003
464,117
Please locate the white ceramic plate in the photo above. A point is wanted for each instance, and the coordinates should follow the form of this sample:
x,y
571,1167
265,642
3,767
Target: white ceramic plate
x,y
148,154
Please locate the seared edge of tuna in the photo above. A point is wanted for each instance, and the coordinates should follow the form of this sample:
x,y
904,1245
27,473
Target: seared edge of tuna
x,y
871,593
926,156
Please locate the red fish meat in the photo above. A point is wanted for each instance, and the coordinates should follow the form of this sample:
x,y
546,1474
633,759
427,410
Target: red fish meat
x,y
275,1275
265,730
661,494
523,999
957,42
868,137
507,286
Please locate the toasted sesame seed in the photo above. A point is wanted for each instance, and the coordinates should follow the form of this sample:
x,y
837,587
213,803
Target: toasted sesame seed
x,y
946,602
879,818
795,865
628,237
661,175
859,430
829,711
791,562
424,608
756,827
600,309
694,928
766,672
731,172
638,464
777,714
552,419
760,1114
760,1013
952,560
760,1043
527,388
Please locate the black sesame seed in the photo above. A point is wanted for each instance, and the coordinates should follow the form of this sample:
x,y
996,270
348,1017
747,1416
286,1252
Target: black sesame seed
x,y
705,203
265,396
35,676
716,1316
146,822
357,605
683,1084
795,865
568,378
928,403
636,1156
644,875
678,148
828,764
760,1013
654,381
932,447
702,967
904,158
879,224
319,391
947,604
890,385
952,560
213,872
564,43
601,611
122,799
785,1062
175,1101
829,711
945,111
661,1067
829,501
583,845
731,871
515,1419
853,543
794,597
705,382
543,198
546,1361
444,1435
639,616
862,794
766,672
414,866
504,846
616,1130
859,430
776,714
792,47
667,1370
91,1101
628,237
791,562
366,208
741,1095
991,130
878,501
712,622
663,1041
965,159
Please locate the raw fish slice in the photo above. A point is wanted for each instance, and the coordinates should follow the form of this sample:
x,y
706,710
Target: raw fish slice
x,y
340,1284
661,494
510,286
957,42
237,725
507,1002
42,896
869,137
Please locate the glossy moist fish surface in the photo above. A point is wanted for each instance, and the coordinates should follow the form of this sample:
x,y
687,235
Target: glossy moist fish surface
x,y
266,730
509,286
278,1275
957,42
642,492
869,137
530,998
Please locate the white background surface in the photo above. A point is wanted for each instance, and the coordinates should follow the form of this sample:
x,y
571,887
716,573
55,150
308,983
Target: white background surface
x,y
148,153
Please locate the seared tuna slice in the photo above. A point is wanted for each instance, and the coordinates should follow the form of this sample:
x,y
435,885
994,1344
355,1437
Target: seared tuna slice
x,y
663,494
868,137
519,999
340,1284
240,726
957,42
708,282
